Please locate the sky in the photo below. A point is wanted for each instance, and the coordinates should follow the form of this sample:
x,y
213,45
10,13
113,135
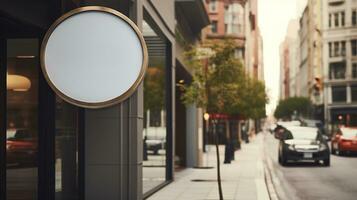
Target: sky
x,y
273,18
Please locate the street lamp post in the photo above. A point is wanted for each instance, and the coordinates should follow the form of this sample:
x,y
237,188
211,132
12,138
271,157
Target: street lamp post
x,y
206,118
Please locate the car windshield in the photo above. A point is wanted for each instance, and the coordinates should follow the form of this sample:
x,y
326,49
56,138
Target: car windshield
x,y
349,132
10,134
303,133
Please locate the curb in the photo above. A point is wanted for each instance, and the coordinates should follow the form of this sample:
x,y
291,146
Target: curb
x,y
273,195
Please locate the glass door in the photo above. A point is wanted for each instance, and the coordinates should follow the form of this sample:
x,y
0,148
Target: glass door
x,y
22,83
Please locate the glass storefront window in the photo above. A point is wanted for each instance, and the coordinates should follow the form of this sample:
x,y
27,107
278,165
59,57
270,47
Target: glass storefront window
x,y
66,151
22,119
339,94
154,133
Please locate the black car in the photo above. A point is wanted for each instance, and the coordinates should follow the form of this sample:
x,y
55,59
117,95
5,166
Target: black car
x,y
303,144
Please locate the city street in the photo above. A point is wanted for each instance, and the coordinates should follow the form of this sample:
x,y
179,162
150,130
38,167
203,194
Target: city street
x,y
309,181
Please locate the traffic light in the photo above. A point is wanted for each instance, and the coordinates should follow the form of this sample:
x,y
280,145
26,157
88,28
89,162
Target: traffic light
x,y
317,85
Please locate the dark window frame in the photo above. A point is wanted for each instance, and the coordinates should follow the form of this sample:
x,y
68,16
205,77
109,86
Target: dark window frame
x,y
354,17
354,70
214,26
335,70
353,87
343,15
344,99
336,20
354,47
169,107
46,124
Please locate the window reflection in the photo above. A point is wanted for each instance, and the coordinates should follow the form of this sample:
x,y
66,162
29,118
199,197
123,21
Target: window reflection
x,y
154,169
22,119
66,155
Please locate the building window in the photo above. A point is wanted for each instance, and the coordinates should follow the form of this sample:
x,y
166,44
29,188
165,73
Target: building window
x,y
213,6
354,47
343,48
337,70
339,94
354,17
22,119
214,27
354,93
329,20
337,49
342,18
336,20
354,70
66,151
155,131
330,49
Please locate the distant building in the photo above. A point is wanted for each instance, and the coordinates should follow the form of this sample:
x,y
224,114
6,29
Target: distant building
x,y
340,61
289,62
237,19
310,36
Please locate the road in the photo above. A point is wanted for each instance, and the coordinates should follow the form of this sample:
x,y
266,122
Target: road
x,y
308,181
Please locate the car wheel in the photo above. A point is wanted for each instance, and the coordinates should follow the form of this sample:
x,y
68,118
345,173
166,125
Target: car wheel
x,y
340,152
327,162
283,160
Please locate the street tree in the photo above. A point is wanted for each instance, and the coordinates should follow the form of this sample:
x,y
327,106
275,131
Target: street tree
x,y
287,107
221,85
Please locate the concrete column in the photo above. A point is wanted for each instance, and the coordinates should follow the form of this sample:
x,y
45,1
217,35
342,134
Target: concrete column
x,y
191,136
349,95
113,136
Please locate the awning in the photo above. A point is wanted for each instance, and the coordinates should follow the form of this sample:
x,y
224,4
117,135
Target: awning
x,y
195,12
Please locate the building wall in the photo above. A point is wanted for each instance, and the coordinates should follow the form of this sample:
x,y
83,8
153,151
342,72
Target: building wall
x,y
310,38
331,34
289,59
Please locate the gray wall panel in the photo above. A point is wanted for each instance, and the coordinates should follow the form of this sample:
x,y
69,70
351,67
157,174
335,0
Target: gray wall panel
x,y
113,138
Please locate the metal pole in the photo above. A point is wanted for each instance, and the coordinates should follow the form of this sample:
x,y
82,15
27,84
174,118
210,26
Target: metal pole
x,y
218,163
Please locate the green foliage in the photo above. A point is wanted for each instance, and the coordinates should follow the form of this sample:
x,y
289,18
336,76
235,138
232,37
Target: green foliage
x,y
154,85
286,107
220,83
255,99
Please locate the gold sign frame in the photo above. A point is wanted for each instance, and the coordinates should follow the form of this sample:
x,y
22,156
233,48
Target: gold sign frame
x,y
111,102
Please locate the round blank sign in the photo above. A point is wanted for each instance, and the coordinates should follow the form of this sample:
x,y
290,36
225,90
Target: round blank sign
x,y
94,57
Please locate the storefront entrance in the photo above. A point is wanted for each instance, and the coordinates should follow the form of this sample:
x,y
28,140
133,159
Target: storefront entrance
x,y
40,141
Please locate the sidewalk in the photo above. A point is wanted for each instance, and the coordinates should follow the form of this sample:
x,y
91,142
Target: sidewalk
x,y
242,179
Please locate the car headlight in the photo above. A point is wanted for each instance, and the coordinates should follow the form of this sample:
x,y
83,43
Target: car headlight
x,y
322,147
291,147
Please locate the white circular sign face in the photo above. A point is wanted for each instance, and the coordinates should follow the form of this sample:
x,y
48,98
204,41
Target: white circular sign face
x,y
94,57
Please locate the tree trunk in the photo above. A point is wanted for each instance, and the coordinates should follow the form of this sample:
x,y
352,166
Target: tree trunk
x,y
218,165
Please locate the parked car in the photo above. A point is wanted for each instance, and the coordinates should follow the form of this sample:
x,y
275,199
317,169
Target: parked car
x,y
21,147
155,139
282,125
344,140
303,144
